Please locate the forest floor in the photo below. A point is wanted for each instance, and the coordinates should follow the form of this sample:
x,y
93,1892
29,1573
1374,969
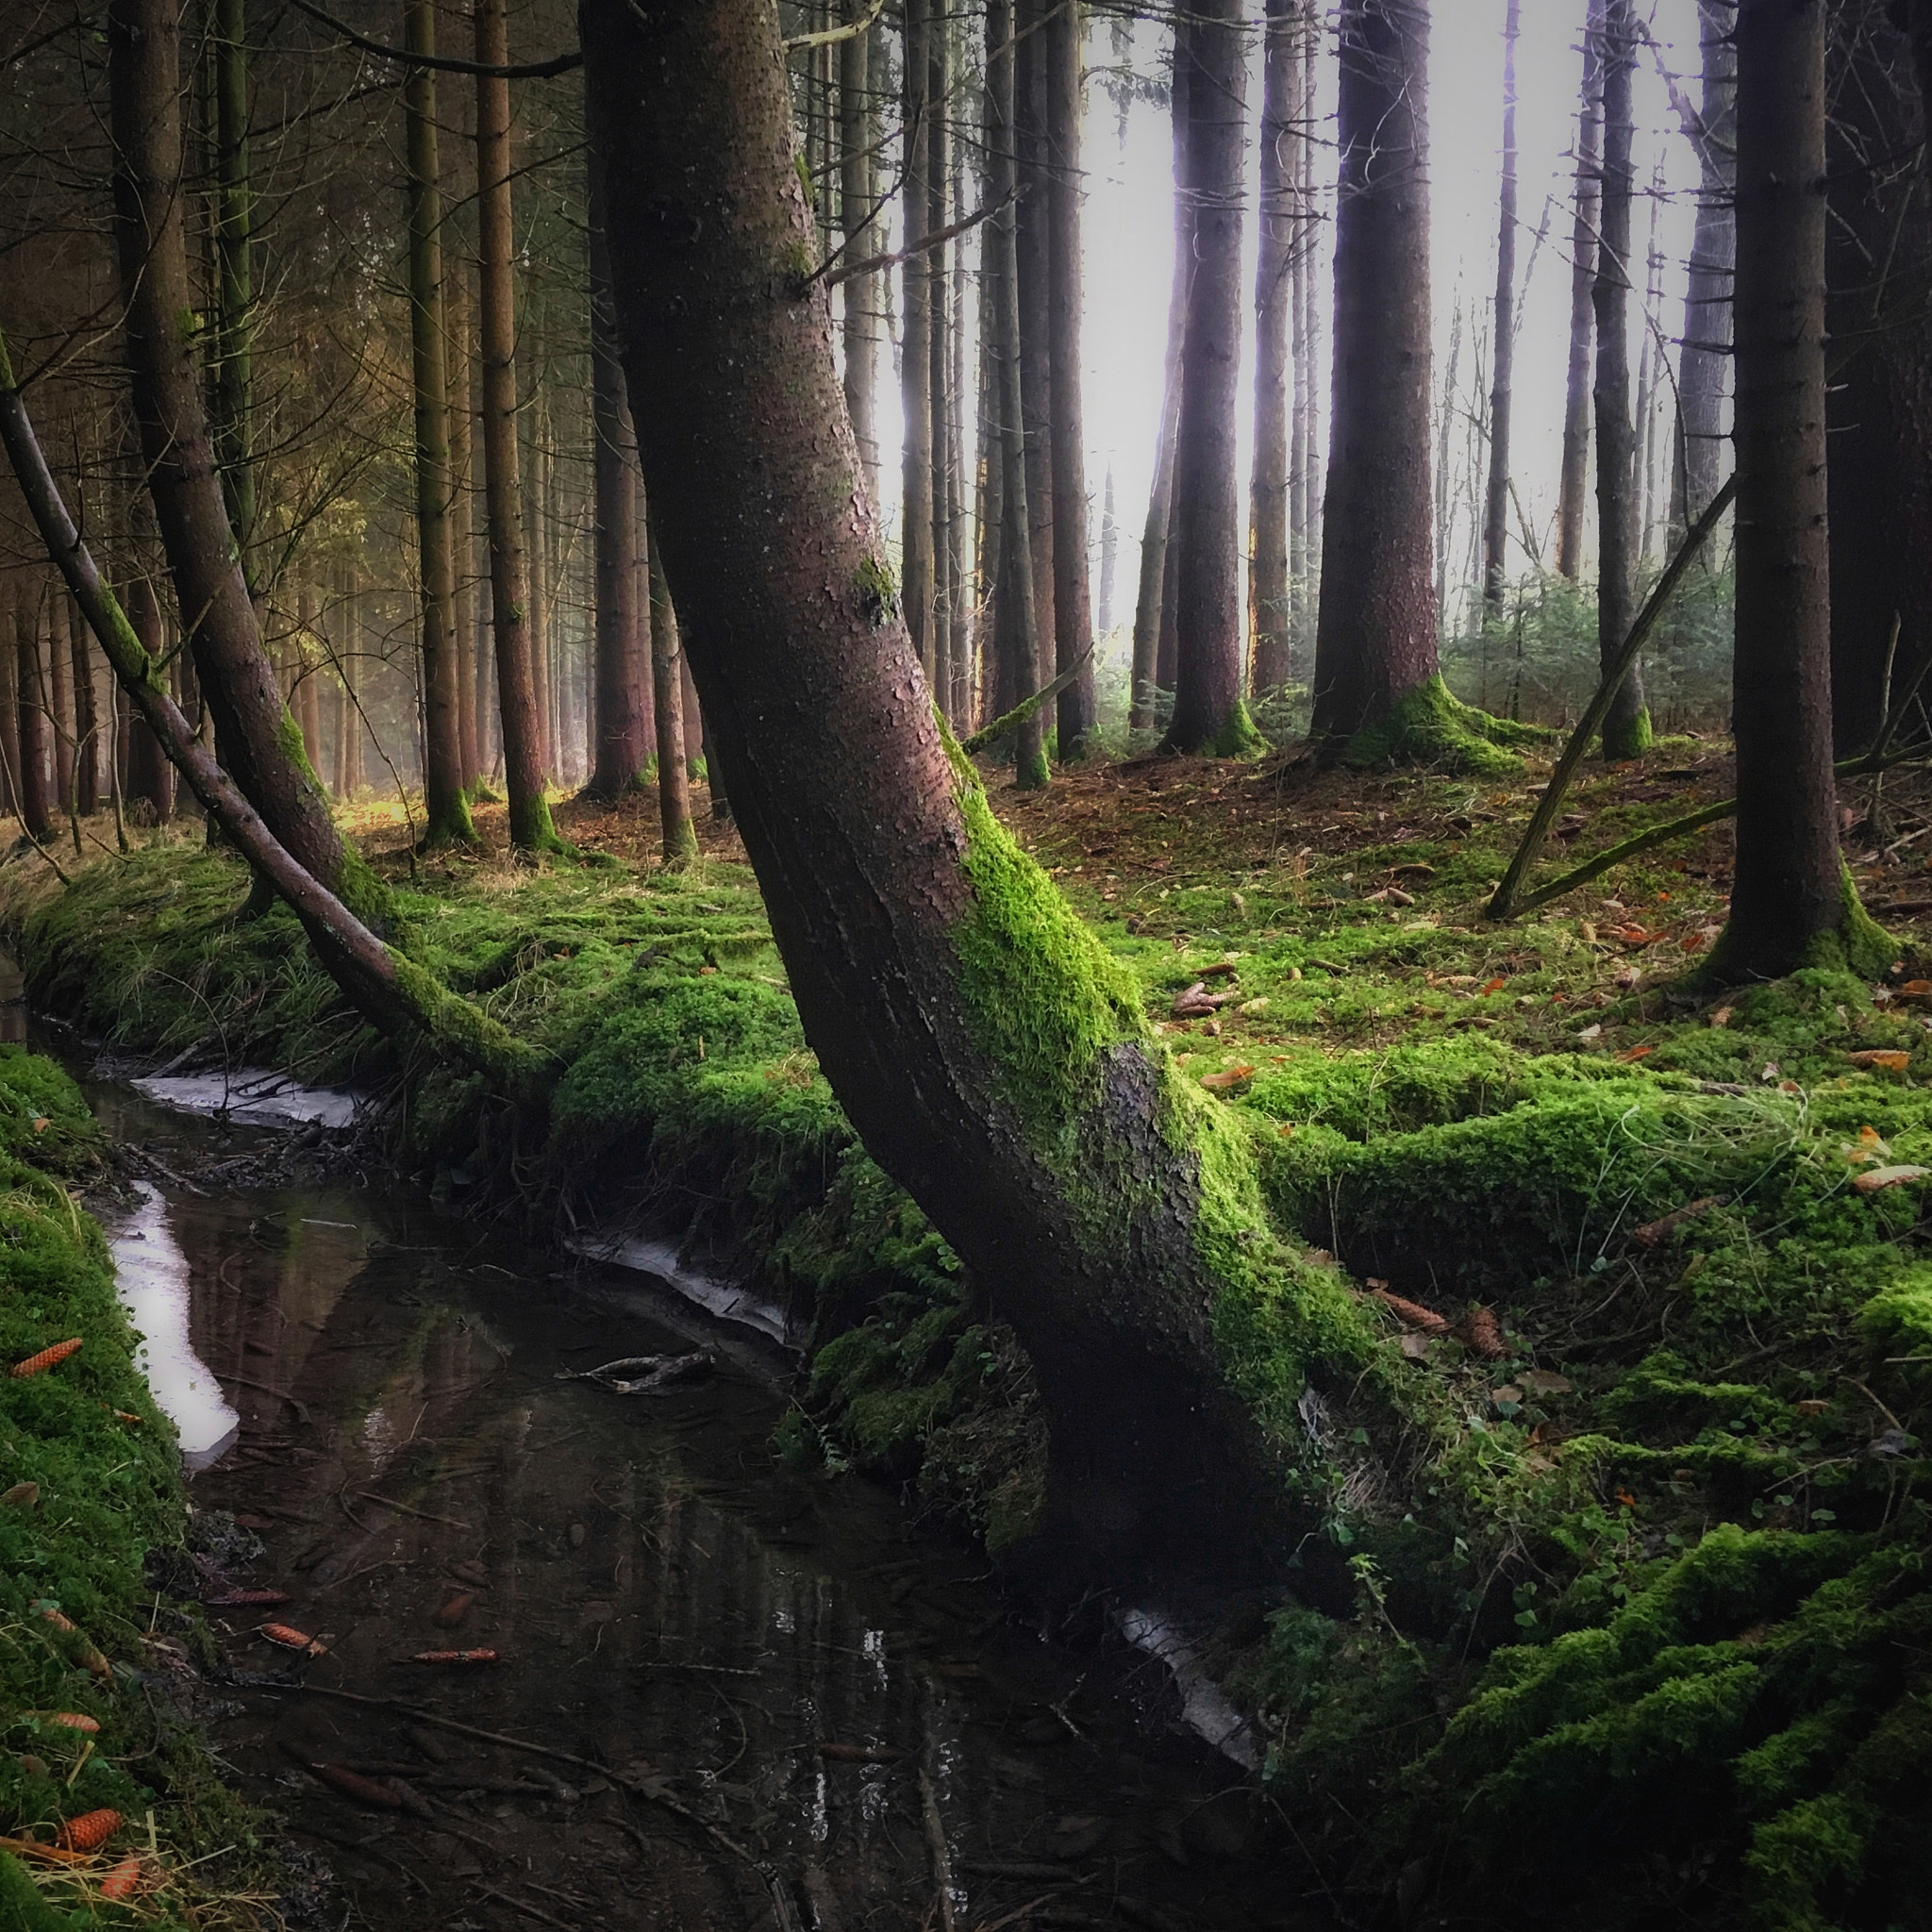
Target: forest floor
x,y
1651,1587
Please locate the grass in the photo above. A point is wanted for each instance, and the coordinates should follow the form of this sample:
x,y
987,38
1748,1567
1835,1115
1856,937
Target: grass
x,y
1646,1585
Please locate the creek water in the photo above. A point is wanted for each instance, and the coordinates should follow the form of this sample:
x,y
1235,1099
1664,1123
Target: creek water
x,y
770,1698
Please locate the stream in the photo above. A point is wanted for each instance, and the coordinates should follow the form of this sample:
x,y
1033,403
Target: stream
x,y
725,1692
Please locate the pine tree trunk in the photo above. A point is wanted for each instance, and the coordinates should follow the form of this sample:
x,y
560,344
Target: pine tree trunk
x,y
234,233
1275,289
463,545
667,691
1154,605
924,950
349,739
445,799
857,190
1210,716
1033,247
1017,636
622,706
1627,726
1309,255
237,682
1791,888
1503,355
1375,635
1300,489
1573,485
60,693
1063,54
299,674
939,155
524,772
915,384
89,725
1704,367
36,800
1109,555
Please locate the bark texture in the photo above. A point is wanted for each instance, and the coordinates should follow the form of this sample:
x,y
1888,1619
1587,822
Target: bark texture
x,y
1209,713
1269,616
258,740
915,369
1059,1155
667,691
858,178
1503,351
36,800
1376,637
1573,485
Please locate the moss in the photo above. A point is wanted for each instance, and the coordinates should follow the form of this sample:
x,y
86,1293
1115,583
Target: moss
x,y
1430,726
1238,737
878,592
1632,738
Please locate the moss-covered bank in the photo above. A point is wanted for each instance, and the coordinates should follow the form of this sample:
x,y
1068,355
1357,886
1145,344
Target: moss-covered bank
x,y
1641,1600
90,1489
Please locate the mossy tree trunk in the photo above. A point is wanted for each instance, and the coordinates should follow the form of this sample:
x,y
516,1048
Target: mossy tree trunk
x,y
1626,725
1375,632
260,743
1793,902
915,387
992,1054
1210,715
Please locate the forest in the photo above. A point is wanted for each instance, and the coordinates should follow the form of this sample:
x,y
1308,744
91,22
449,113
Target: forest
x,y
965,966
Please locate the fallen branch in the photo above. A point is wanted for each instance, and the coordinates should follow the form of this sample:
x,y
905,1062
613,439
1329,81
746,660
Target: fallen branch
x,y
924,245
1011,720
830,36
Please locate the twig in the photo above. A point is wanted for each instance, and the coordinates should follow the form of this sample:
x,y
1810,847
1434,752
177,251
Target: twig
x,y
937,238
387,1503
832,36
1012,719
540,69
941,1858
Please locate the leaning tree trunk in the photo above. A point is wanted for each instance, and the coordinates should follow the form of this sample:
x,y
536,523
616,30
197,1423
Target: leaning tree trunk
x,y
445,797
1065,38
1503,353
1375,631
1573,484
524,777
1626,724
237,682
1791,888
992,1058
1704,367
1268,484
1210,716
624,708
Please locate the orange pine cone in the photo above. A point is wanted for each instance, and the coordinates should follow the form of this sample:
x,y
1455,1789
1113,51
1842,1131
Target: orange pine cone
x,y
48,1358
50,1613
291,1639
68,1720
88,1832
1412,1313
128,1877
1483,1333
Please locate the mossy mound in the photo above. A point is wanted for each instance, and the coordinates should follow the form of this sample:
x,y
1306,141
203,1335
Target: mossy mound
x,y
1430,725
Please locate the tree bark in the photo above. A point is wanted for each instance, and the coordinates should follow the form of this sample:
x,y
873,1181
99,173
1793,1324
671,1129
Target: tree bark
x,y
525,775
1502,354
1033,253
236,680
234,238
445,797
1705,363
939,161
36,799
1063,54
897,879
463,544
623,709
89,726
1626,724
915,384
1304,482
1210,716
1375,634
60,695
857,190
1153,669
1789,888
1274,287
667,682
1573,484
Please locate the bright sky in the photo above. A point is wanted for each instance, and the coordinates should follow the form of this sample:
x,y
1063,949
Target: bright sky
x,y
1129,240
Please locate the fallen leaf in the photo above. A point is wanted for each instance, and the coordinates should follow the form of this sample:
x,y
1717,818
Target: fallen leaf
x,y
1626,1499
1889,1059
1232,1076
22,1497
1591,1032
1398,897
1414,1346
1495,986
1916,989
1693,941
1259,1006
1769,1073
41,1124
1546,1382
1812,1406
1636,1053
1875,1179
1508,1395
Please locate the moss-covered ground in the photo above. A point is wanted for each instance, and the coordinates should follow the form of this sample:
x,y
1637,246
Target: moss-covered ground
x,y
90,1488
1642,1624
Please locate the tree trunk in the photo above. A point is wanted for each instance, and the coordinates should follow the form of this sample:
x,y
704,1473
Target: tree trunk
x,y
667,675
299,673
1062,64
525,775
857,190
539,532
234,236
1375,634
36,800
1626,724
1311,312
90,728
1209,717
1017,635
1502,354
1060,1157
624,708
1575,480
1879,407
236,680
60,695
915,384
1791,887
1033,247
1153,669
1274,287
349,739
1109,556
463,521
445,798
1304,458
939,159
